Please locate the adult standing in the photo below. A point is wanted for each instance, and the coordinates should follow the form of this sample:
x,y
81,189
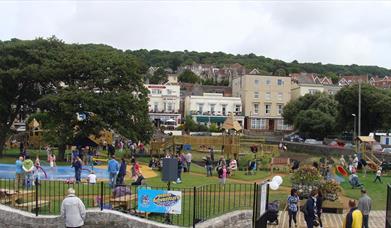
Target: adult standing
x,y
319,210
309,209
354,217
365,206
208,166
188,158
113,169
292,204
73,210
180,167
212,154
77,164
122,172
19,172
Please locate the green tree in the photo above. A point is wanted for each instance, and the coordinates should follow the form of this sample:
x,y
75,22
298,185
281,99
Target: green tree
x,y
333,76
158,77
375,104
188,76
311,113
110,92
26,74
190,124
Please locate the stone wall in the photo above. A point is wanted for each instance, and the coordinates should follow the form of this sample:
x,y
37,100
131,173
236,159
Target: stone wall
x,y
236,219
13,218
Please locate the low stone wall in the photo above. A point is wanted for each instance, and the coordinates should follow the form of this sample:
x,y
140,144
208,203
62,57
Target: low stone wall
x,y
13,218
236,219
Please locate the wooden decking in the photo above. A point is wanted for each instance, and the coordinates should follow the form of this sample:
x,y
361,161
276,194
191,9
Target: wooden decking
x,y
376,220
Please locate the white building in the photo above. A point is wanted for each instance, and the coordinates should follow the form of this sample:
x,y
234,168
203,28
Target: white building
x,y
213,108
164,104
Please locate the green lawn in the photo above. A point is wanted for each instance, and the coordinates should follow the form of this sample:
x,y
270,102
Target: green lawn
x,y
377,191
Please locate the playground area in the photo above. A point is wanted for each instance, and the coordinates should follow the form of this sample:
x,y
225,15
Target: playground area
x,y
269,160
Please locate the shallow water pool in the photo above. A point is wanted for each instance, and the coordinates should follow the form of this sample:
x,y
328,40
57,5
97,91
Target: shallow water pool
x,y
7,171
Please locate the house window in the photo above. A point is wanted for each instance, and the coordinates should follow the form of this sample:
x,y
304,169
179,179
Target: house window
x,y
267,96
224,110
256,82
280,108
256,108
201,108
267,108
280,82
258,123
256,94
212,108
155,106
169,92
237,109
279,96
156,91
169,107
313,91
268,82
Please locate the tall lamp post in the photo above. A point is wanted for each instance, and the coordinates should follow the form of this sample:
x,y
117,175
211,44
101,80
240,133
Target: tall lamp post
x,y
354,127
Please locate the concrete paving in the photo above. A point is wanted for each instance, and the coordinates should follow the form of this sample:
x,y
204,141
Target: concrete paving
x,y
376,220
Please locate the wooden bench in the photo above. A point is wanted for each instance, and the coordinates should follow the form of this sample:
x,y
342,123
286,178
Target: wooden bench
x,y
33,205
280,164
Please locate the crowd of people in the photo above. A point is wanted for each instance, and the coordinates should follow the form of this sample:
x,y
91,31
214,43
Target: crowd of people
x,y
357,216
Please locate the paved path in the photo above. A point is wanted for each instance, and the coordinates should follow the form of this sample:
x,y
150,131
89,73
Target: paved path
x,y
376,220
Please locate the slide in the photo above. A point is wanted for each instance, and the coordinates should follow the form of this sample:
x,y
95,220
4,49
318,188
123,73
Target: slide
x,y
341,170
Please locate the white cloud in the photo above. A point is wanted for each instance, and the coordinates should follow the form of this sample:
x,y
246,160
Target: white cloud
x,y
328,32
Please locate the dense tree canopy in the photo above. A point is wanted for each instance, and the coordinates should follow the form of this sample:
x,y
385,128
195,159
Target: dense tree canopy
x,y
312,115
179,58
375,106
188,76
95,79
26,74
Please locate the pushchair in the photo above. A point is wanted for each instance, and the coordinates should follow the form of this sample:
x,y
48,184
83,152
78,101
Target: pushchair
x,y
272,212
354,181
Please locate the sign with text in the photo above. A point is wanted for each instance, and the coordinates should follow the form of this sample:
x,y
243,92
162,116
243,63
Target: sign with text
x,y
160,201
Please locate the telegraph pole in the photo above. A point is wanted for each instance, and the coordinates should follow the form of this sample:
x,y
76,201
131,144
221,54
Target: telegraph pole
x,y
359,108
359,117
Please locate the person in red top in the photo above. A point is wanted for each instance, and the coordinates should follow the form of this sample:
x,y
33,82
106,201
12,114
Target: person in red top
x,y
135,169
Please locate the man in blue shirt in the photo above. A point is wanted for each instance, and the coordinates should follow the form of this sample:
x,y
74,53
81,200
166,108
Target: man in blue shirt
x,y
112,168
19,172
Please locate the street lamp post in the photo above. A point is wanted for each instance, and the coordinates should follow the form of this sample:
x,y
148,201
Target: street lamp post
x,y
354,127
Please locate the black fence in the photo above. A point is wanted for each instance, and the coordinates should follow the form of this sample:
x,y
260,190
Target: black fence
x,y
388,209
201,203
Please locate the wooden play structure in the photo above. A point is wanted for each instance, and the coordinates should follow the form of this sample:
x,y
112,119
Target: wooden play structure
x,y
229,144
372,161
281,164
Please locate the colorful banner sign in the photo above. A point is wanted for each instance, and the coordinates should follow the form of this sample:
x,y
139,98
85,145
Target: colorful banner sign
x,y
159,201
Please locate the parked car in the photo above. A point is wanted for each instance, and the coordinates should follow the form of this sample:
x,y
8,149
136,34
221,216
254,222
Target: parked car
x,y
386,150
313,141
294,138
349,146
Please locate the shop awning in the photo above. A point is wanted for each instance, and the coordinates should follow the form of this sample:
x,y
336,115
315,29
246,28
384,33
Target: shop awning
x,y
212,119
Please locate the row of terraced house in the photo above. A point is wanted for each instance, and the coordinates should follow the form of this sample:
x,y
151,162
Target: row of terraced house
x,y
256,100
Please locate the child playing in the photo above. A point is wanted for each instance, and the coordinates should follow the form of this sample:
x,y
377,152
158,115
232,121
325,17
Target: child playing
x,y
52,160
91,178
222,174
378,175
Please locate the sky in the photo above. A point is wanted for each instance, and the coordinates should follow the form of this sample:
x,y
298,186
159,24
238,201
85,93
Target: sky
x,y
338,32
